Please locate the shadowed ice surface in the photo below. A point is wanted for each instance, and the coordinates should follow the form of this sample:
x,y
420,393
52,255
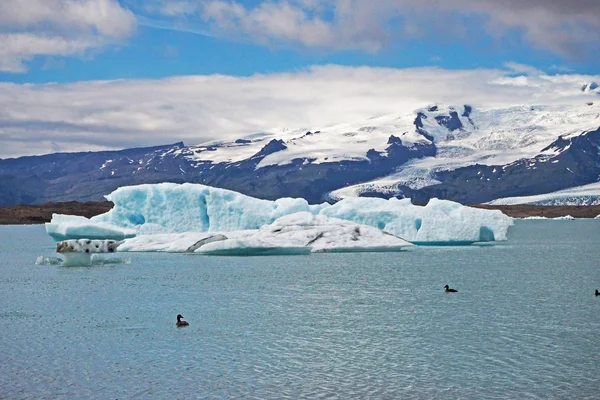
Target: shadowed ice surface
x,y
525,323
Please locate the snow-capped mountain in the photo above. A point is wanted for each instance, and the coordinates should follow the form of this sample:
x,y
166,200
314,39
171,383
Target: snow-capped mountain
x,y
500,139
461,152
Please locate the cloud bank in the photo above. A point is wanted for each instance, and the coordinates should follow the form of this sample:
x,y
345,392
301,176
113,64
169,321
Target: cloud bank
x,y
58,28
569,29
84,116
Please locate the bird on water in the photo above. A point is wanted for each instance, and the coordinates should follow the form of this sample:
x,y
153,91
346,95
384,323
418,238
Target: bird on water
x,y
448,290
180,321
597,292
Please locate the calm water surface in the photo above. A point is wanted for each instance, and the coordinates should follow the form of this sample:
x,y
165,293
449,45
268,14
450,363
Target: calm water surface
x,y
526,323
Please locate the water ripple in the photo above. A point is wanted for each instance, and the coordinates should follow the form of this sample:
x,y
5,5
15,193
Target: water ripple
x,y
373,326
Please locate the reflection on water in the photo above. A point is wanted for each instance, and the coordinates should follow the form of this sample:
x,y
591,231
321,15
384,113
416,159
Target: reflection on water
x,y
96,260
524,325
42,260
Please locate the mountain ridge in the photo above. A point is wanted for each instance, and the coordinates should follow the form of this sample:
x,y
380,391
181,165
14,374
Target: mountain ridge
x,y
461,153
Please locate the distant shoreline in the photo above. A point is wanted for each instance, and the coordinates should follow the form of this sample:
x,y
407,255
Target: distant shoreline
x,y
526,210
41,213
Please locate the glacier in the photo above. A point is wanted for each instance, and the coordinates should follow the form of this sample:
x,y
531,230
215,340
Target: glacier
x,y
586,195
173,217
485,136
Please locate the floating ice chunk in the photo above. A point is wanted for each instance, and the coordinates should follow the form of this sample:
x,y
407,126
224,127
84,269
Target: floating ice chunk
x,y
250,247
65,227
79,252
299,233
167,242
322,234
566,217
87,246
174,208
77,259
439,222
302,233
170,207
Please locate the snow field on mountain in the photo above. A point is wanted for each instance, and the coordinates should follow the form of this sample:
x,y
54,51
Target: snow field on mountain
x,y
587,195
496,136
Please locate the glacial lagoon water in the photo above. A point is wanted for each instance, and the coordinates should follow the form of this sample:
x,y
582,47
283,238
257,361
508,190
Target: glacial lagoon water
x,y
525,324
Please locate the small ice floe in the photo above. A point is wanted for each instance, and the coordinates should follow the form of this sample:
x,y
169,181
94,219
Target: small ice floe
x,y
65,227
79,252
566,217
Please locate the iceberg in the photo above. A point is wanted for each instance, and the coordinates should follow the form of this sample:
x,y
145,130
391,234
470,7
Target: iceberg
x,y
170,207
199,212
79,252
186,242
298,233
440,222
65,227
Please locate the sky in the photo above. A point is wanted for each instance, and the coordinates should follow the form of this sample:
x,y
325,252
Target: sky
x,y
85,75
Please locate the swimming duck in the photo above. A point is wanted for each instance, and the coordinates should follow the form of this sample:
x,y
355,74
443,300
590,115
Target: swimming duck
x,y
180,321
597,292
448,290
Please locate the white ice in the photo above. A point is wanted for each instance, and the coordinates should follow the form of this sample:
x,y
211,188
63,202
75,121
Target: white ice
x,y
87,246
587,195
439,222
79,252
169,208
566,217
490,136
77,259
166,242
299,233
65,227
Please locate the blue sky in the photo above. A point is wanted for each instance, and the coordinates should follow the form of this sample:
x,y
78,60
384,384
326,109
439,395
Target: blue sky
x,y
198,70
159,38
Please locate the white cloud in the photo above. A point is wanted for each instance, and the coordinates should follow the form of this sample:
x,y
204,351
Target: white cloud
x,y
522,69
177,7
29,28
97,115
19,47
269,20
567,28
